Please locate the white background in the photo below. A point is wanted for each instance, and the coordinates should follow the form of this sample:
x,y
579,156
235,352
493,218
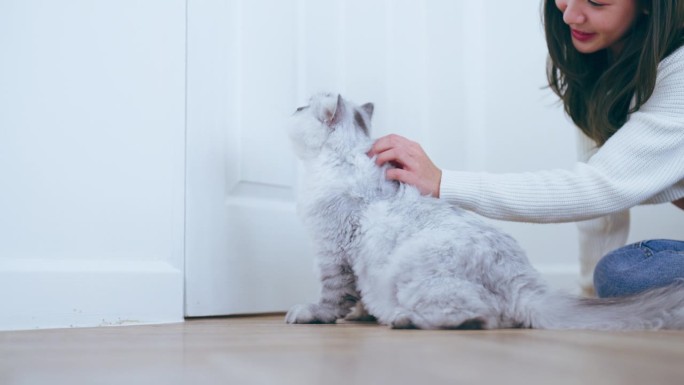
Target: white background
x,y
97,99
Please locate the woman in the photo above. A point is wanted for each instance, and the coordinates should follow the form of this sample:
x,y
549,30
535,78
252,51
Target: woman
x,y
618,67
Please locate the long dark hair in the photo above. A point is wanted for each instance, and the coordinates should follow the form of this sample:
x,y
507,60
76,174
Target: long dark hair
x,y
597,89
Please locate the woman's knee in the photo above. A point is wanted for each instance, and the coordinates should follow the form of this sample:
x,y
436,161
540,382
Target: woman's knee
x,y
639,267
612,271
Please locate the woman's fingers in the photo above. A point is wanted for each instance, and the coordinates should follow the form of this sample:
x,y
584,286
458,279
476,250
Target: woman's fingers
x,y
399,175
414,166
386,156
396,157
391,148
388,142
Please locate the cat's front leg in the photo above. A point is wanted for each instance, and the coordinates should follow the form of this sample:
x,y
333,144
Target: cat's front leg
x,y
338,297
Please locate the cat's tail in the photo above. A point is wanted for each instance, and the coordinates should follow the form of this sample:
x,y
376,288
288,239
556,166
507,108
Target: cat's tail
x,y
661,308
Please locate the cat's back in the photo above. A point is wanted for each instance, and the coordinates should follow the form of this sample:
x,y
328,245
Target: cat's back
x,y
411,212
408,219
390,221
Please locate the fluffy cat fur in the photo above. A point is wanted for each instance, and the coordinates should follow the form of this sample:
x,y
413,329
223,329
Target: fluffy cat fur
x,y
417,262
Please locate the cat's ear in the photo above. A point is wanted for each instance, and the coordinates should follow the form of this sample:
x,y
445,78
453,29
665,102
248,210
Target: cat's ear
x,y
334,116
368,109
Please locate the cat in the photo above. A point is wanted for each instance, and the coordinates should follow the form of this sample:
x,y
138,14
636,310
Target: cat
x,y
415,261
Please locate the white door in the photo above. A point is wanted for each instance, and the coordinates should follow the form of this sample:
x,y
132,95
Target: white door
x,y
245,249
251,63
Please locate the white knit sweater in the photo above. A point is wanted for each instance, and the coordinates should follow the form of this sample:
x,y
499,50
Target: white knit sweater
x,y
643,163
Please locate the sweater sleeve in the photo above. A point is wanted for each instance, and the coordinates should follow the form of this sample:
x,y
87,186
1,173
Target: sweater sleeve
x,y
644,157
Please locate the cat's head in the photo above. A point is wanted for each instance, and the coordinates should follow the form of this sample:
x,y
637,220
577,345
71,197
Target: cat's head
x,y
329,120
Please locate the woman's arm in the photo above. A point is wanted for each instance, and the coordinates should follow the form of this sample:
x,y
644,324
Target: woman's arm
x,y
642,159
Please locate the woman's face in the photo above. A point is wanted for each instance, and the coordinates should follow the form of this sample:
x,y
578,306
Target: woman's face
x,y
600,24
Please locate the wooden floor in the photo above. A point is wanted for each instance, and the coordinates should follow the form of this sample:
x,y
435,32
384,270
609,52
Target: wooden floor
x,y
264,350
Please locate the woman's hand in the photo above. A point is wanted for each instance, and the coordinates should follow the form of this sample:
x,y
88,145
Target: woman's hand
x,y
413,165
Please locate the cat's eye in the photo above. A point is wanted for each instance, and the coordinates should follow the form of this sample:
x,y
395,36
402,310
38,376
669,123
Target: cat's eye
x,y
301,108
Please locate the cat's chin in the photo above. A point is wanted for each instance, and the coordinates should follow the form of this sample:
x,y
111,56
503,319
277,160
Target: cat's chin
x,y
307,135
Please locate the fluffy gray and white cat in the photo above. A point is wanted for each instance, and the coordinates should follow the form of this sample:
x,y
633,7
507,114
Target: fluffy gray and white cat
x,y
417,262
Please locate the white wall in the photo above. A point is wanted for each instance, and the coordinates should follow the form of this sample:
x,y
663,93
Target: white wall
x,y
92,113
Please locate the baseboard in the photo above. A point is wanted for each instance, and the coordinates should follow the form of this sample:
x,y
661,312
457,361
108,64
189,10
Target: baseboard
x,y
42,294
37,294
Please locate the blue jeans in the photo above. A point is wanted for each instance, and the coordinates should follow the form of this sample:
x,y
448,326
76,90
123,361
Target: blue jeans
x,y
639,267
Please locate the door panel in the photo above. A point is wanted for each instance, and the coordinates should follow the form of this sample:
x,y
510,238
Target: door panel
x,y
250,64
246,251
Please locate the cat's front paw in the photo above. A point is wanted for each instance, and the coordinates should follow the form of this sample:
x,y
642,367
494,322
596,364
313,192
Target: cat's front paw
x,y
360,314
402,320
310,314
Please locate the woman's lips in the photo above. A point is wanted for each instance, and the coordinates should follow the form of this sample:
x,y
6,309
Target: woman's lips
x,y
582,36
